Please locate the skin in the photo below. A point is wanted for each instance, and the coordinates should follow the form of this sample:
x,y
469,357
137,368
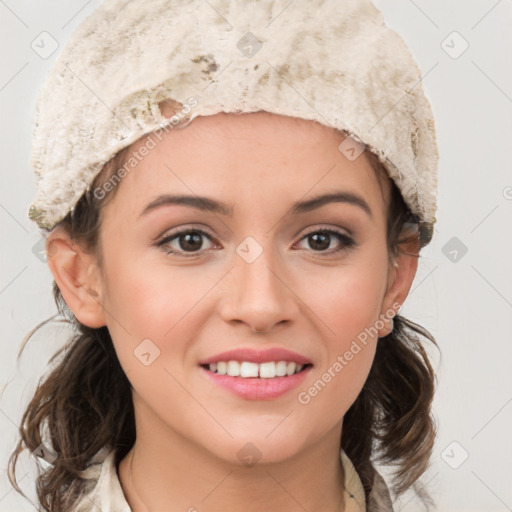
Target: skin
x,y
294,295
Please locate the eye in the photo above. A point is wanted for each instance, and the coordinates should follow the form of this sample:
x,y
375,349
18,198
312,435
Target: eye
x,y
190,241
187,240
321,239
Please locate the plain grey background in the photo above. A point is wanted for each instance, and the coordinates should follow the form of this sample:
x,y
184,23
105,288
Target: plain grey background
x,y
463,290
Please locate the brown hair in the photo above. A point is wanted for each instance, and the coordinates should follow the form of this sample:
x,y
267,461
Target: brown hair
x,y
85,401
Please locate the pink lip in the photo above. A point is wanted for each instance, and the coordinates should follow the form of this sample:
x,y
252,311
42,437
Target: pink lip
x,y
257,356
255,388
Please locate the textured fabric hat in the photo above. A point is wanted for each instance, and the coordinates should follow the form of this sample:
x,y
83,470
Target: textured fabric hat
x,y
333,61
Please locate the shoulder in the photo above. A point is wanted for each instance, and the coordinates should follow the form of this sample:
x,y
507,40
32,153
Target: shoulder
x,y
103,490
379,499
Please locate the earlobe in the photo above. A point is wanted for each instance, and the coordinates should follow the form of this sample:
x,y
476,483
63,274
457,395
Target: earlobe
x,y
77,276
401,278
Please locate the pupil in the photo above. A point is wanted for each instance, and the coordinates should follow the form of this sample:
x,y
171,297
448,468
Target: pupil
x,y
189,241
324,237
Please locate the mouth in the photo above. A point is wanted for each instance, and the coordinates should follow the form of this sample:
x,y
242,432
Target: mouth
x,y
256,374
252,370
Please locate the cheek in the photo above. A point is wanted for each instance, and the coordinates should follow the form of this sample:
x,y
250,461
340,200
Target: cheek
x,y
154,316
153,301
348,298
348,305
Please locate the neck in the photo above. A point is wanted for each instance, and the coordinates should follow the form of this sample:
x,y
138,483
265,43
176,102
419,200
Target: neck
x,y
164,471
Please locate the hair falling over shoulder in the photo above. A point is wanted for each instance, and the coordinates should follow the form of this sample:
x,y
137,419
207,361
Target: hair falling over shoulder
x,y
84,403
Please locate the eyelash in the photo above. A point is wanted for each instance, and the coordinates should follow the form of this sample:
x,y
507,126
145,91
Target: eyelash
x,y
347,244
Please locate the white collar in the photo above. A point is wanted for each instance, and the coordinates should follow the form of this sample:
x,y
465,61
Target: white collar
x,y
104,491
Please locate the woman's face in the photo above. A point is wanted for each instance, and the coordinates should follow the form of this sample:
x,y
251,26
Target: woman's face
x,y
269,269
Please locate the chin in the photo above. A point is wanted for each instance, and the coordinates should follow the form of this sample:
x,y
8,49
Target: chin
x,y
256,446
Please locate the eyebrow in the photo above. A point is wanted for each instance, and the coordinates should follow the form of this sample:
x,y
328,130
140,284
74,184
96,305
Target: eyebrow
x,y
214,206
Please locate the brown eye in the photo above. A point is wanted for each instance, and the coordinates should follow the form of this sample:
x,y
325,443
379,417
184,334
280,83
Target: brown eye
x,y
320,240
188,240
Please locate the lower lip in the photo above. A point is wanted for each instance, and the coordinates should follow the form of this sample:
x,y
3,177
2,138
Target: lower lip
x,y
255,388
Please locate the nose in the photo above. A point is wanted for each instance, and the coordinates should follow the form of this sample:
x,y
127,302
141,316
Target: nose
x,y
259,296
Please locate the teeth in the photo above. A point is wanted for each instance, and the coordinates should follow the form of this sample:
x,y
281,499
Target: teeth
x,y
246,369
249,369
233,368
268,370
281,368
222,367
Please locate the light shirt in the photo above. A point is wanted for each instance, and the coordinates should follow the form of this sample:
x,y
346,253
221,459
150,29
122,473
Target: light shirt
x,y
104,492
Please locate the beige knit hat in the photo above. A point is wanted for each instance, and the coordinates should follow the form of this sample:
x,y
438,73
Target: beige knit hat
x,y
333,61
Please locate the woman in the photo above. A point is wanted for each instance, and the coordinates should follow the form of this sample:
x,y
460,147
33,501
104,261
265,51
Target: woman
x,y
234,214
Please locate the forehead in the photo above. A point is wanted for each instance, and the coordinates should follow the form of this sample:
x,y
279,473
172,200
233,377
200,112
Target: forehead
x,y
256,158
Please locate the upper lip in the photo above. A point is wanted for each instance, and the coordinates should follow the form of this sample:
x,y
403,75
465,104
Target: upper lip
x,y
257,356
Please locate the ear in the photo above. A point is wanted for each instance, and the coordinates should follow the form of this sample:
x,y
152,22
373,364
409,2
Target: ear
x,y
400,278
77,276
